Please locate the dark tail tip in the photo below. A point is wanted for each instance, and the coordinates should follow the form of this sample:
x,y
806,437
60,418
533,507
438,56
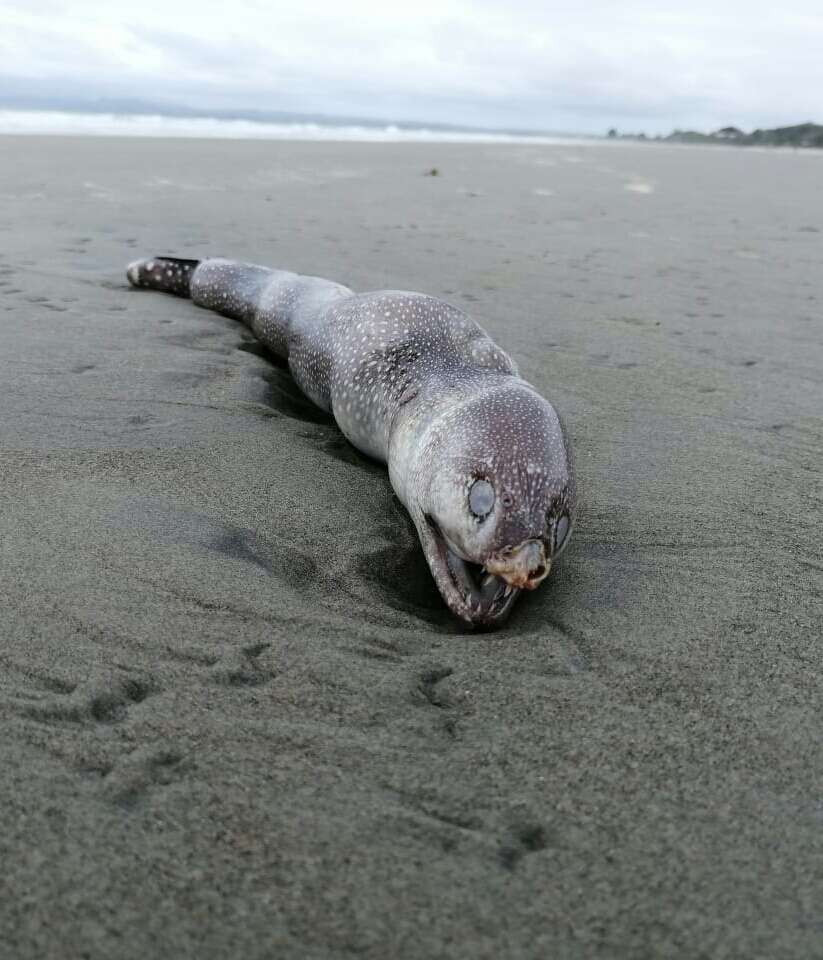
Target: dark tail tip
x,y
169,274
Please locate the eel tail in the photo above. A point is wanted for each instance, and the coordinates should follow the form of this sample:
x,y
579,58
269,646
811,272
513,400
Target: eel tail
x,y
169,274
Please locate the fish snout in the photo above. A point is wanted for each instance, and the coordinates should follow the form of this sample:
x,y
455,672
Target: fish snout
x,y
524,566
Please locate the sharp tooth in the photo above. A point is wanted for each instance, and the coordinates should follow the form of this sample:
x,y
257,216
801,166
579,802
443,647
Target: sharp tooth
x,y
508,590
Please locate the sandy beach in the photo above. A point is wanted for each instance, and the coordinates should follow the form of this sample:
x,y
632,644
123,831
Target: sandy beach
x,y
238,720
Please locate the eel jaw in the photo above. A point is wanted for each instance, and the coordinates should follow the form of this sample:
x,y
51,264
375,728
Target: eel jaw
x,y
525,566
471,593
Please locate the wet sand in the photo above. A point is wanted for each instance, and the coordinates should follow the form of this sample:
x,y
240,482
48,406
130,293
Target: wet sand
x,y
237,718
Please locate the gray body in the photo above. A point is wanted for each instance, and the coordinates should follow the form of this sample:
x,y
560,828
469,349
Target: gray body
x,y
414,382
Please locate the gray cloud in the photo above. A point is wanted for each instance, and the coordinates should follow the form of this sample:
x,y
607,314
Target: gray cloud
x,y
549,65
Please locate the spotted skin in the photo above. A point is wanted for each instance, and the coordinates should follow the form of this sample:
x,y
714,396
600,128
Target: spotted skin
x,y
416,383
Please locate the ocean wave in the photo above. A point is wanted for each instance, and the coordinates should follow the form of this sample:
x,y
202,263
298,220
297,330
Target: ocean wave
x,y
53,122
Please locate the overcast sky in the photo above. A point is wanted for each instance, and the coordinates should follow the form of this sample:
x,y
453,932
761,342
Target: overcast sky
x,y
568,66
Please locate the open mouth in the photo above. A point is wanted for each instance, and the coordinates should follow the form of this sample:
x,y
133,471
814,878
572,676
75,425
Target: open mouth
x,y
470,590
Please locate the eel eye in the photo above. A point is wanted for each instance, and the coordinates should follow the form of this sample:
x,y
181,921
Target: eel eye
x,y
481,498
561,531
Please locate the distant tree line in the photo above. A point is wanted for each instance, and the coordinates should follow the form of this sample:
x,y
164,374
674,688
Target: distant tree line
x,y
801,135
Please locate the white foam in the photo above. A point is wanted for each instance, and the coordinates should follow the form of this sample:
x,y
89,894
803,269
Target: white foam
x,y
144,125
639,186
